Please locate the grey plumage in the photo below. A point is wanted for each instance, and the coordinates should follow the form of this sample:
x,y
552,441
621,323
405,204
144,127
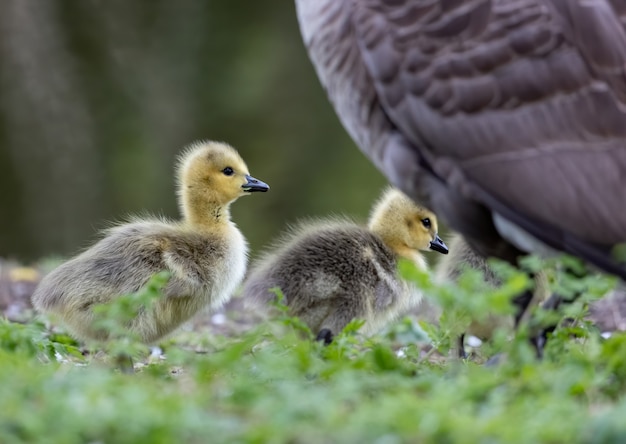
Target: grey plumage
x,y
205,253
488,107
331,272
462,257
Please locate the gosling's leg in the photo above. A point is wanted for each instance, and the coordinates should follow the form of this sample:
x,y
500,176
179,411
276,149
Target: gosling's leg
x,y
325,335
461,345
336,322
554,301
522,303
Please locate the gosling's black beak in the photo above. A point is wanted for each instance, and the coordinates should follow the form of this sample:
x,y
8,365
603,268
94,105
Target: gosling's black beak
x,y
438,245
253,185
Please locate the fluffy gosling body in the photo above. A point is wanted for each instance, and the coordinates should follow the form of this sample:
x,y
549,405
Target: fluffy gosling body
x,y
204,252
331,272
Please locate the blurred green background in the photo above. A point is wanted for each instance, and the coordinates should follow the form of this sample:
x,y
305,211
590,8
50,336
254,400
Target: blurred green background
x,y
97,97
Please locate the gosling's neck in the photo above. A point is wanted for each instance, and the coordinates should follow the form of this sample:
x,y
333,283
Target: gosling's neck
x,y
395,244
205,215
403,251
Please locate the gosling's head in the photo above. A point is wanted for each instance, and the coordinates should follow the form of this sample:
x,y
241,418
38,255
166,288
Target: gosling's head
x,y
404,225
211,175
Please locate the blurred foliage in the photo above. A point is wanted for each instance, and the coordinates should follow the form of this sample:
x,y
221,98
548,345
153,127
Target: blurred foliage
x,y
274,384
115,318
98,97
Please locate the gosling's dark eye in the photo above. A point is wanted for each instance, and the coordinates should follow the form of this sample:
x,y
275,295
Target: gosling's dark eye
x,y
426,222
228,171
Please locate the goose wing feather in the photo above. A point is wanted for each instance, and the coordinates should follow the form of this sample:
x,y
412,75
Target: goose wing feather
x,y
517,104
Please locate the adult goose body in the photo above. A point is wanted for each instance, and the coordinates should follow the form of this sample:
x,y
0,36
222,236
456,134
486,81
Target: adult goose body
x,y
506,118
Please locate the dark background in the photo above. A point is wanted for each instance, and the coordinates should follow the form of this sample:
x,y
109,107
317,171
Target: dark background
x,y
97,97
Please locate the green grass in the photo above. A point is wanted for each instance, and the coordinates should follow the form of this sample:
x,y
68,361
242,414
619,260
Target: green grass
x,y
272,384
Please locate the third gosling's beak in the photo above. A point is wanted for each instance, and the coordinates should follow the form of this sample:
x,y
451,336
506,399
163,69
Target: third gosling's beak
x,y
253,185
438,245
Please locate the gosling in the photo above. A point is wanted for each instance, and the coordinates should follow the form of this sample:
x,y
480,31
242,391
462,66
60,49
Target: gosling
x,y
205,253
463,256
331,272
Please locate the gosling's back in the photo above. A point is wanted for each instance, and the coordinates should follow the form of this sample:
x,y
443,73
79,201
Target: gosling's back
x,y
123,262
330,273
